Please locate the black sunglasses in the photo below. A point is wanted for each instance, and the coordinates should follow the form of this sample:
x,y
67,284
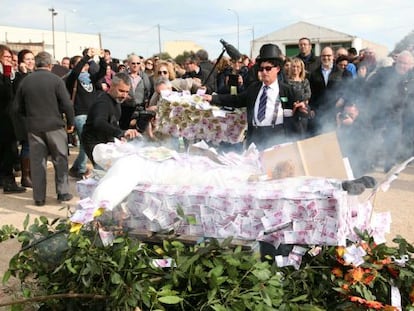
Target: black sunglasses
x,y
135,63
164,72
266,68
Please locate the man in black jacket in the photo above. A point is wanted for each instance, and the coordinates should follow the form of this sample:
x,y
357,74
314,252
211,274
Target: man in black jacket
x,y
42,99
81,85
269,102
193,70
102,123
311,61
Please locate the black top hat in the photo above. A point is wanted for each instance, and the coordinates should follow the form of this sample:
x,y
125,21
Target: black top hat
x,y
269,51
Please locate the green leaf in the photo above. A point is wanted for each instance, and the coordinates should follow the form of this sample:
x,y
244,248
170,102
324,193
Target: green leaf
x,y
170,300
6,276
69,266
177,244
26,293
218,307
216,271
26,222
44,220
116,278
180,212
119,240
191,220
187,264
299,298
262,275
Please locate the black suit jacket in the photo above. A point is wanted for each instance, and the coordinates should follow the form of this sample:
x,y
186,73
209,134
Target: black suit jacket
x,y
248,98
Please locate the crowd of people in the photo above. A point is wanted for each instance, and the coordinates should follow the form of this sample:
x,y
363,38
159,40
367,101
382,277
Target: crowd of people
x,y
287,98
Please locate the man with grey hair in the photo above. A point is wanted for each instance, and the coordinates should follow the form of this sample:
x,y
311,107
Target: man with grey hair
x,y
42,99
102,123
139,93
391,101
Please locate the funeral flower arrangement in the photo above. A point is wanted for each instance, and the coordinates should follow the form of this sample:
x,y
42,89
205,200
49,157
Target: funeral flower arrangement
x,y
191,118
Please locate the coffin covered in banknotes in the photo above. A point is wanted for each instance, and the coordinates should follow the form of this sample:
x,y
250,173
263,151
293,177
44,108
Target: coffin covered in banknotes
x,y
157,190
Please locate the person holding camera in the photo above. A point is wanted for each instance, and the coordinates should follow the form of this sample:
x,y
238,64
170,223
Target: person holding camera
x,y
352,134
233,78
102,122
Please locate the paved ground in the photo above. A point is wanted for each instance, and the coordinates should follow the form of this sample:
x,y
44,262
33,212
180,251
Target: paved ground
x,y
399,200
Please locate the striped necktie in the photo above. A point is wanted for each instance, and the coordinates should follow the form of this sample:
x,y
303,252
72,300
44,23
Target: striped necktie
x,y
261,112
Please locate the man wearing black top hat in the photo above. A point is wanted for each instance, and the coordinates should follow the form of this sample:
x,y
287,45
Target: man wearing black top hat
x,y
269,102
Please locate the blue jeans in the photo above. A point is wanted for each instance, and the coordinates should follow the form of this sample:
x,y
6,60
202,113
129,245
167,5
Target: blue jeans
x,y
81,160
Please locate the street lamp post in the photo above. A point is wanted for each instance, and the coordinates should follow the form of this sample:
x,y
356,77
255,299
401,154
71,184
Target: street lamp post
x,y
238,27
66,29
54,13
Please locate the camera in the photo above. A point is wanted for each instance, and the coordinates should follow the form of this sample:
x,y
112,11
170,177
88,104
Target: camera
x,y
344,116
233,80
143,118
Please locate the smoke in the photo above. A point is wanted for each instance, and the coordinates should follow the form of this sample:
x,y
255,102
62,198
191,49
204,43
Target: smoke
x,y
382,133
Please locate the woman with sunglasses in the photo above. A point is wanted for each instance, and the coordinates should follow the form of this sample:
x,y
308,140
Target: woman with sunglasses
x,y
166,69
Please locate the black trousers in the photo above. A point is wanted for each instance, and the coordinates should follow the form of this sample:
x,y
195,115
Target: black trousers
x,y
8,157
266,136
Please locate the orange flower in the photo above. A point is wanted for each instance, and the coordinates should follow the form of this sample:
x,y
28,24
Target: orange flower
x,y
368,303
340,251
337,272
386,261
369,278
357,274
357,299
374,304
345,287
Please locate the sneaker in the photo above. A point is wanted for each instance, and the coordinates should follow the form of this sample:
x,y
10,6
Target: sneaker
x,y
62,197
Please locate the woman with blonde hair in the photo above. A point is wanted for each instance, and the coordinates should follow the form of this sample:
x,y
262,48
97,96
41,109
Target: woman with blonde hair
x,y
302,92
166,69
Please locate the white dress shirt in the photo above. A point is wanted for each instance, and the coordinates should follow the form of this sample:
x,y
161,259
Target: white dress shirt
x,y
272,97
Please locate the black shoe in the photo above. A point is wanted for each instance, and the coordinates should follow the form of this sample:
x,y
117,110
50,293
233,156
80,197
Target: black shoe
x,y
62,197
12,187
40,203
74,173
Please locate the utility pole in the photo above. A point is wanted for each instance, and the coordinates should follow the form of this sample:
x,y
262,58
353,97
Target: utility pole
x,y
54,13
251,46
159,39
238,27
